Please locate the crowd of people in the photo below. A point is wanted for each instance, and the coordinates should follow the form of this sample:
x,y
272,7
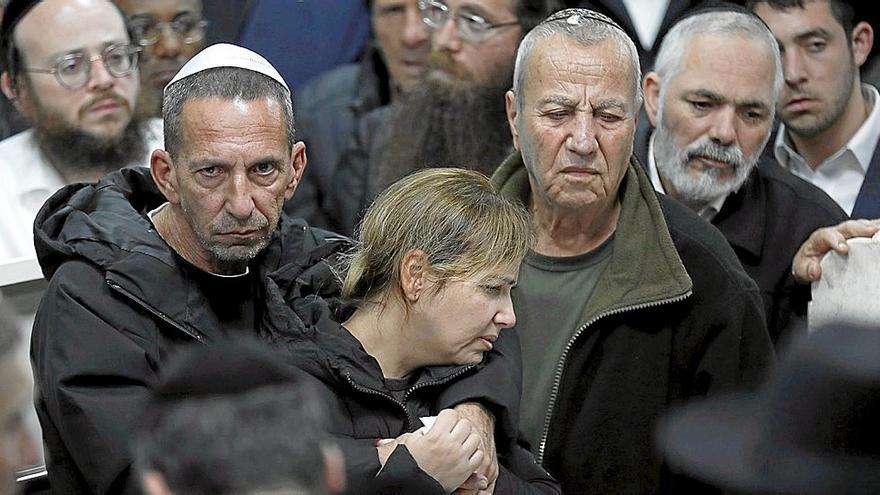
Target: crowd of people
x,y
514,246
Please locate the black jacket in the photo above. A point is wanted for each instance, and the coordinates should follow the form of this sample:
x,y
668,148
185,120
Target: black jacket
x,y
765,222
673,317
118,302
331,118
303,319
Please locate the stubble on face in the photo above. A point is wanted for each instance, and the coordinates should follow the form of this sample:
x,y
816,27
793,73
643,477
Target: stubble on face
x,y
809,124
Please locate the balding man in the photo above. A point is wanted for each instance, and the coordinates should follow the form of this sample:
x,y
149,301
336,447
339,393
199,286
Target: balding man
x,y
629,303
70,68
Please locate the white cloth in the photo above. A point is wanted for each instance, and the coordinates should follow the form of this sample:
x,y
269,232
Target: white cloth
x,y
841,174
26,182
647,16
848,291
707,212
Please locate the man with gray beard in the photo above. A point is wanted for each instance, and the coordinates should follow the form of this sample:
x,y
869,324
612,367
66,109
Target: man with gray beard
x,y
711,98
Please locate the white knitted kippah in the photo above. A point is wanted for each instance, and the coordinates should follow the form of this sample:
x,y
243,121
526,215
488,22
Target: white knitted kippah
x,y
227,55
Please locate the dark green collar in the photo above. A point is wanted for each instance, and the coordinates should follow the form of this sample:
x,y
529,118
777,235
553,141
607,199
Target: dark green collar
x,y
645,267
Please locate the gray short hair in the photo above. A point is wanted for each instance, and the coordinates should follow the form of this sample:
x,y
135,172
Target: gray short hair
x,y
586,27
668,62
220,82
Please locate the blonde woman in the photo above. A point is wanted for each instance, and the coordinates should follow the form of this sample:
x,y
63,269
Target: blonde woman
x,y
426,293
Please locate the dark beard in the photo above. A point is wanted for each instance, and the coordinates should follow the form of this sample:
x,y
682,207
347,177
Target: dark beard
x,y
80,156
436,125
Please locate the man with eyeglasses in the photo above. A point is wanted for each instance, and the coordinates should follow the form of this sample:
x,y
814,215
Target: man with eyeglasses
x,y
455,115
170,32
70,69
338,111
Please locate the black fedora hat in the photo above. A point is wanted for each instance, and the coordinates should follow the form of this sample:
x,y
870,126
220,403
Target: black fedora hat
x,y
813,428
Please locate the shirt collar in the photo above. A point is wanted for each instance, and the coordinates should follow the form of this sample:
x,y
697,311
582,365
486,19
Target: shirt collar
x,y
862,143
708,211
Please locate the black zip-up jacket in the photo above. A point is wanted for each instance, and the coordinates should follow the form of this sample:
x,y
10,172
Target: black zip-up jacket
x,y
118,302
674,317
304,319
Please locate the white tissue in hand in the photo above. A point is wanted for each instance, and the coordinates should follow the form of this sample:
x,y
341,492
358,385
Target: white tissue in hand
x,y
849,288
428,421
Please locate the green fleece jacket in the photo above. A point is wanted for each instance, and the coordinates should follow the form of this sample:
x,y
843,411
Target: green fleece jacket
x,y
674,316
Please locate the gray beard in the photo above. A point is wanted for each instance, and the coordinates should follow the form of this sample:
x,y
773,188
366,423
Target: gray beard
x,y
707,185
436,125
78,155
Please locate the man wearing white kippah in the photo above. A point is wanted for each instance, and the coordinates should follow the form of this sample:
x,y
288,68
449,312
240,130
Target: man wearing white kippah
x,y
145,262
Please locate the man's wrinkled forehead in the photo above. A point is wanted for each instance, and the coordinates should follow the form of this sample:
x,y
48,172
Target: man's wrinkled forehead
x,y
561,61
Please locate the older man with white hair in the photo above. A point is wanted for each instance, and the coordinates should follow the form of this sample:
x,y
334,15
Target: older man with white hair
x,y
628,303
711,98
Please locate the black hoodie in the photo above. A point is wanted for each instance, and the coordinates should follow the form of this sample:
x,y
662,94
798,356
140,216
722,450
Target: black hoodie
x,y
119,301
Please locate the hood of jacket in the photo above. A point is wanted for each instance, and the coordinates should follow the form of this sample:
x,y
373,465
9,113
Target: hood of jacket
x,y
303,316
645,267
106,225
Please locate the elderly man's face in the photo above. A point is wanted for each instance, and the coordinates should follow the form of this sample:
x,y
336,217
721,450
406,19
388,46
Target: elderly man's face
x,y
232,176
820,61
489,62
575,123
402,38
104,105
170,50
713,117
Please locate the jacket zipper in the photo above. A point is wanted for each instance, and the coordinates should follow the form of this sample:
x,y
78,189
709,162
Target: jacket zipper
x,y
561,365
402,405
376,393
158,314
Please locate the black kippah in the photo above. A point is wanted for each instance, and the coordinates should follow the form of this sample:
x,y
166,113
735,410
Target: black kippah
x,y
14,12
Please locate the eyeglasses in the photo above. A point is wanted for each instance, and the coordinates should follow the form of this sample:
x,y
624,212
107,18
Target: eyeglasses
x,y
471,27
74,70
147,31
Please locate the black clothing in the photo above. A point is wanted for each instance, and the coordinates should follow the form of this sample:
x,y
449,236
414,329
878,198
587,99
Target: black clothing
x,y
765,222
119,301
364,407
673,317
330,113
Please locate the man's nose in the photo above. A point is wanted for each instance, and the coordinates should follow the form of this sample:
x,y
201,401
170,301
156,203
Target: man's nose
x,y
793,68
445,37
99,77
168,45
415,31
240,202
723,128
582,139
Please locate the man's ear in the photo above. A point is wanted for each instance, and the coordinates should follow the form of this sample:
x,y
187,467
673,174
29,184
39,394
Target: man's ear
x,y
651,94
413,269
298,160
862,40
10,90
165,175
510,107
